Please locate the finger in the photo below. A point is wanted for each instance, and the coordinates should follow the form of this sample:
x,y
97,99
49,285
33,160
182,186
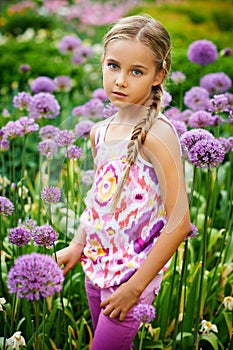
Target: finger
x,y
104,303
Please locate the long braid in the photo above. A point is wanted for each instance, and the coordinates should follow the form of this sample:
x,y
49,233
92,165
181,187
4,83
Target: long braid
x,y
138,136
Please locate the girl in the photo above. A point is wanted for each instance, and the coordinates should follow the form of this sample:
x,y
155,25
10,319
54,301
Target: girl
x,y
137,210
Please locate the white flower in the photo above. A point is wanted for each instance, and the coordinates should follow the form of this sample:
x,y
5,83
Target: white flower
x,y
2,302
16,341
207,326
228,303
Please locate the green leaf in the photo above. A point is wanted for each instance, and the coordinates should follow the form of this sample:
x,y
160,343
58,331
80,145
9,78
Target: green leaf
x,y
228,319
211,339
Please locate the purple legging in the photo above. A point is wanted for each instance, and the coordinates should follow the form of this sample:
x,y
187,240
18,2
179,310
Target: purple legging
x,y
112,334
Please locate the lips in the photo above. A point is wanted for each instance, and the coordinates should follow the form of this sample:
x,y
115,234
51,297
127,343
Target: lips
x,y
119,94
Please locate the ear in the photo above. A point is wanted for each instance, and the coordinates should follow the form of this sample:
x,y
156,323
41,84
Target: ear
x,y
159,77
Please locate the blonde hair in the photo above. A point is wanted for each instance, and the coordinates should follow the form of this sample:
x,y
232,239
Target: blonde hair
x,y
151,33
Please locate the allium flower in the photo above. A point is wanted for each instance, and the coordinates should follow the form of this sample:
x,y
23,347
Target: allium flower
x,y
51,195
2,302
173,113
219,104
22,100
42,84
81,54
179,126
216,83
35,275
93,108
48,148
44,105
19,236
228,303
63,83
178,77
28,125
166,99
83,128
189,138
69,43
4,145
5,113
202,52
64,137
109,110
24,68
13,129
100,94
229,97
29,224
48,132
193,232
16,341
6,207
201,119
225,143
73,152
197,98
44,236
144,313
207,326
225,52
185,115
77,111
88,177
207,153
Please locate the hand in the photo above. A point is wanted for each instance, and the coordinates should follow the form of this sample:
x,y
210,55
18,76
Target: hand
x,y
69,256
120,302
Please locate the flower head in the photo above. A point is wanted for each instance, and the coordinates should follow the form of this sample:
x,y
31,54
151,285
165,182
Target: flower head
x,y
48,148
200,119
6,207
44,105
109,110
219,104
51,195
83,128
48,132
178,77
44,236
226,52
13,129
193,232
180,126
216,83
4,144
228,303
64,137
19,236
42,84
144,313
93,108
100,94
207,153
69,43
24,68
63,83
16,341
202,52
88,177
34,275
207,326
28,124
166,99
73,152
191,137
197,98
22,100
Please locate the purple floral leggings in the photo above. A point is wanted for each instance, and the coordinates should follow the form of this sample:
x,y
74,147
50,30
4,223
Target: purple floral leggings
x,y
112,334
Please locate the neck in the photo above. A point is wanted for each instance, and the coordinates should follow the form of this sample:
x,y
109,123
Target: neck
x,y
130,114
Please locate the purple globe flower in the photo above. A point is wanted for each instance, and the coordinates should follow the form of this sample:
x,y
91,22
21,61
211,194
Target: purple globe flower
x,y
201,119
48,148
216,83
64,137
88,177
219,104
13,129
193,232
189,138
109,110
6,206
81,54
93,108
207,153
73,152
166,99
229,97
28,124
69,43
19,236
63,83
4,145
178,77
42,84
225,143
173,113
24,68
35,275
51,194
22,100
83,128
197,98
202,52
226,52
180,126
77,111
44,105
44,236
100,94
144,313
48,132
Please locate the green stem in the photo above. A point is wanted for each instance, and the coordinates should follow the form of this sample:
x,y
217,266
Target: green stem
x,y
36,337
142,337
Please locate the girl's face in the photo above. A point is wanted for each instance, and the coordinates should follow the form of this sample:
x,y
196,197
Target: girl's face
x,y
129,73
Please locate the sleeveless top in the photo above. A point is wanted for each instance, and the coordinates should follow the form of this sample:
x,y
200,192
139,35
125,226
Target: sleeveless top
x,y
117,242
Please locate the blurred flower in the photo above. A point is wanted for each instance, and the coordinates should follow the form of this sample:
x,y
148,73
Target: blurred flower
x,y
228,303
2,302
77,111
6,207
229,97
202,52
73,152
166,99
48,148
178,77
19,236
63,83
193,232
219,104
225,143
225,52
206,153
29,224
5,113
197,98
4,144
207,326
22,100
144,313
44,236
88,177
48,132
24,68
64,137
42,84
69,43
51,194
109,110
216,83
100,94
44,105
200,119
81,54
16,341
173,113
12,129
189,138
185,115
35,275
93,108
180,126
83,128
28,125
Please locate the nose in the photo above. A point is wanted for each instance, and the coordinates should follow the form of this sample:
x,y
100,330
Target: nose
x,y
121,81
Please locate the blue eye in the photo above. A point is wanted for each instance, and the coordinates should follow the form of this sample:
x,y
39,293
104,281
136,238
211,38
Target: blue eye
x,y
137,72
113,66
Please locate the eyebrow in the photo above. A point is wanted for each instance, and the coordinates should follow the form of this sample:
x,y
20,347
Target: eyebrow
x,y
135,66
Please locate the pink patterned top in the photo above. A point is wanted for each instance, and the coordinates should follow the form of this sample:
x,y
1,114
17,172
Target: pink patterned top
x,y
118,242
